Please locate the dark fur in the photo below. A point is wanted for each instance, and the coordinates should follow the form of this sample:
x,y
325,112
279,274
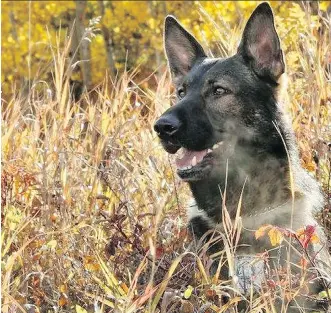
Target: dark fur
x,y
235,100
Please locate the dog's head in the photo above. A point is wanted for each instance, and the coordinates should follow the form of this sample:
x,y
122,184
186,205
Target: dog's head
x,y
220,102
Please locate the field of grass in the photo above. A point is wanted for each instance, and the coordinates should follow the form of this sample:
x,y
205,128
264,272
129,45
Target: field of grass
x,y
93,216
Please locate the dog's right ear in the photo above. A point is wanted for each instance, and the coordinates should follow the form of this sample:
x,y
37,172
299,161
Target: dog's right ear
x,y
182,49
260,44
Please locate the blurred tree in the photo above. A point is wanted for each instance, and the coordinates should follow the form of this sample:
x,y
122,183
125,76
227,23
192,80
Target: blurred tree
x,y
108,40
82,41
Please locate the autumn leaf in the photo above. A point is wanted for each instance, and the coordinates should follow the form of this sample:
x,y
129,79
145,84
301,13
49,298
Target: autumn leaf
x,y
188,292
275,236
307,235
315,239
210,294
311,167
261,231
91,264
63,300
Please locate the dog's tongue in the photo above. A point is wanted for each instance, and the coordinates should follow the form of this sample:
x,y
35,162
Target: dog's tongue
x,y
185,157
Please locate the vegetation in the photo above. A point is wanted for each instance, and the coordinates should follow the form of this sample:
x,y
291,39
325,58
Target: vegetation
x,y
93,215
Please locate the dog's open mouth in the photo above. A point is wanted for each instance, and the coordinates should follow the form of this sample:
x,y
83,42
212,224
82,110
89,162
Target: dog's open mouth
x,y
195,165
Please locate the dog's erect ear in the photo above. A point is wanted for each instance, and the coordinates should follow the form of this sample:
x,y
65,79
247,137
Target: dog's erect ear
x,y
260,44
181,47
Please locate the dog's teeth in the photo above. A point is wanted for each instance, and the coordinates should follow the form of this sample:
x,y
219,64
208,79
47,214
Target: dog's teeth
x,y
194,161
209,150
215,146
180,152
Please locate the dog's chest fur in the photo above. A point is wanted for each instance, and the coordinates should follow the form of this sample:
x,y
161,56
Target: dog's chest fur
x,y
262,199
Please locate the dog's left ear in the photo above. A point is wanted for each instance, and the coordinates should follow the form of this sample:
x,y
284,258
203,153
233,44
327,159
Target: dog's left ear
x,y
260,44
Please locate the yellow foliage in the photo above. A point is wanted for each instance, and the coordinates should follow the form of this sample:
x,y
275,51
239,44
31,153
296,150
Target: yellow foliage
x,y
28,28
275,236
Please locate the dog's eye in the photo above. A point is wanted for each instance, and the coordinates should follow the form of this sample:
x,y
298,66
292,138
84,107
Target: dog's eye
x,y
181,93
218,91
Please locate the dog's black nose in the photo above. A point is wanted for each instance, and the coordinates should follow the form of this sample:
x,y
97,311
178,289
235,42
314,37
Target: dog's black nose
x,y
167,125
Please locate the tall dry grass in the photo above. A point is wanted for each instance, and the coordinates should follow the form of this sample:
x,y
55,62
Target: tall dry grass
x,y
93,216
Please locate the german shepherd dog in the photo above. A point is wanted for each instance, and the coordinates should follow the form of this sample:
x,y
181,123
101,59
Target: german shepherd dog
x,y
232,137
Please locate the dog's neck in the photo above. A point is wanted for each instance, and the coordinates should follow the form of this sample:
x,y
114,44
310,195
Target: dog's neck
x,y
262,179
